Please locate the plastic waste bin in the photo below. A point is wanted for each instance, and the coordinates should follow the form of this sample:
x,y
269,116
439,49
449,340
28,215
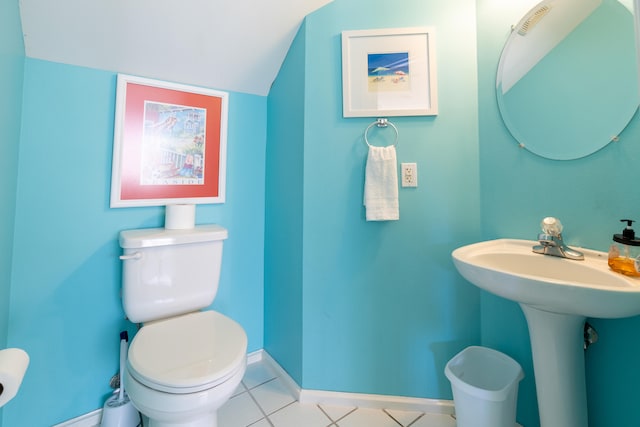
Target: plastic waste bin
x,y
485,387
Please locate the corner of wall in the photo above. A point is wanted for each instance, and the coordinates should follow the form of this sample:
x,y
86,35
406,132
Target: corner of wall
x,y
283,212
12,70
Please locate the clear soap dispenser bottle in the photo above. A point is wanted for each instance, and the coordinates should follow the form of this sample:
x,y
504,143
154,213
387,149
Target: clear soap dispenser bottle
x,y
624,253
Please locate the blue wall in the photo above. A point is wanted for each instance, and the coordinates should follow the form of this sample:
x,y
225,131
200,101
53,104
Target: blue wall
x,y
283,212
589,195
65,308
11,73
382,306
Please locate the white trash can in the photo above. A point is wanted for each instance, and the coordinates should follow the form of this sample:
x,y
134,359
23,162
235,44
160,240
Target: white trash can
x,y
485,387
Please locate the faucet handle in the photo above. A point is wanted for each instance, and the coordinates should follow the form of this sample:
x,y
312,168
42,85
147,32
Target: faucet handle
x,y
551,225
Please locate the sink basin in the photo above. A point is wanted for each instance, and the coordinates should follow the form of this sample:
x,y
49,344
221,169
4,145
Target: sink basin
x,y
508,268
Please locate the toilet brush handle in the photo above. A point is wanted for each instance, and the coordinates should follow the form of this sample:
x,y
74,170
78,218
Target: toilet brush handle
x,y
123,357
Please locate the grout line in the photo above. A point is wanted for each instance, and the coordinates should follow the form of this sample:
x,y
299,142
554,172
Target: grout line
x,y
267,415
416,420
260,407
280,409
241,389
327,415
339,419
256,422
261,384
333,422
391,416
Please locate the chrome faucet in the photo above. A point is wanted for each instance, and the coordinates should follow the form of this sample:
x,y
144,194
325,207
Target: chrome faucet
x,y
551,242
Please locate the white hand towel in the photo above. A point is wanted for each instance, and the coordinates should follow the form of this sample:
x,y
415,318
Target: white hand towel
x,y
381,184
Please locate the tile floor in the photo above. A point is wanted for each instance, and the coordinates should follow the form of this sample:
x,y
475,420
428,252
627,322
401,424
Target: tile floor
x,y
263,400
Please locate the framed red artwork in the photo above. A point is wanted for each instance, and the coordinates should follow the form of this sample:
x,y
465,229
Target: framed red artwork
x,y
169,145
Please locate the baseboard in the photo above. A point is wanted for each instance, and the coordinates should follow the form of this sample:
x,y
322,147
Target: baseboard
x,y
374,401
433,406
255,357
92,419
284,376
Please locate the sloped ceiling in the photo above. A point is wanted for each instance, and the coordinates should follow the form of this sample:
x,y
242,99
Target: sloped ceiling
x,y
235,45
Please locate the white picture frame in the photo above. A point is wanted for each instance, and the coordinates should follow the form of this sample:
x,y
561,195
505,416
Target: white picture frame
x,y
389,72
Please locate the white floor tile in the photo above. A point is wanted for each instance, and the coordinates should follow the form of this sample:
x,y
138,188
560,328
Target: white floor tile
x,y
298,414
262,423
337,412
272,396
435,420
239,411
239,390
364,417
404,417
256,374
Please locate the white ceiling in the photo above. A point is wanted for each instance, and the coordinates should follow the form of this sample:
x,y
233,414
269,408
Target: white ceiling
x,y
235,45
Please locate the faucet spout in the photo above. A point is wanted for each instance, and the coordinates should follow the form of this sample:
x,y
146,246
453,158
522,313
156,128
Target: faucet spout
x,y
551,242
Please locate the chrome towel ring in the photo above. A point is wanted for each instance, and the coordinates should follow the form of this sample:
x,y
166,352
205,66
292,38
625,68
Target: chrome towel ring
x,y
381,123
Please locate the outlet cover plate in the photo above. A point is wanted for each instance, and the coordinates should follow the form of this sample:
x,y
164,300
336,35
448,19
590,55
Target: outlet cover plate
x,y
409,173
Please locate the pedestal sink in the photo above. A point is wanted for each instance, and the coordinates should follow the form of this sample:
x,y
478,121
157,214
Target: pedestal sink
x,y
556,296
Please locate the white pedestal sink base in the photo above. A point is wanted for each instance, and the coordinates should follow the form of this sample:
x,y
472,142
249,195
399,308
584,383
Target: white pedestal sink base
x,y
557,344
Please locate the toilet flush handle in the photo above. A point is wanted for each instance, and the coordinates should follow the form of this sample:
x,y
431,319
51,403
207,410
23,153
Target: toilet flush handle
x,y
135,255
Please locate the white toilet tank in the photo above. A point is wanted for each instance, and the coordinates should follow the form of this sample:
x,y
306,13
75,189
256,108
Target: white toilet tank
x,y
170,272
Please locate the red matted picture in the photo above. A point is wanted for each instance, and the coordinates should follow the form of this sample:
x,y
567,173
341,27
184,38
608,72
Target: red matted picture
x,y
169,145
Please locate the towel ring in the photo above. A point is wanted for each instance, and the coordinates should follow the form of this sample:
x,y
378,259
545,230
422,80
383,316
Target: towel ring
x,y
381,123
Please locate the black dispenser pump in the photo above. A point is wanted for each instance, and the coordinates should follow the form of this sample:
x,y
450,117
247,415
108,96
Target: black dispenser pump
x,y
628,236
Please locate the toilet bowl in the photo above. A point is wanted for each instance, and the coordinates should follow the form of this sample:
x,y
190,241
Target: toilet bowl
x,y
181,370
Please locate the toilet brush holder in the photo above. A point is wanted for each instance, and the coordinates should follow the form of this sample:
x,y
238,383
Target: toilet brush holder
x,y
119,412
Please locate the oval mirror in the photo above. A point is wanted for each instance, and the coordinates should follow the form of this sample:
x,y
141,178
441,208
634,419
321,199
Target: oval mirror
x,y
567,81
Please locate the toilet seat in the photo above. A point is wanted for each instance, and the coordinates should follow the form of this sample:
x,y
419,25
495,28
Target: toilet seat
x,y
189,353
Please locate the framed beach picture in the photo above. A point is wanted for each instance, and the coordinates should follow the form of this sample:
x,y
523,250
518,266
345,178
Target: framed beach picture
x,y
169,144
389,72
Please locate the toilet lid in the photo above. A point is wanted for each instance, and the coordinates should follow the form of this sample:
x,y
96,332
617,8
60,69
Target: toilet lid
x,y
189,353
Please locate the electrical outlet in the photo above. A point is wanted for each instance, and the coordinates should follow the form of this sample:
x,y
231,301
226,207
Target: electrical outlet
x,y
409,174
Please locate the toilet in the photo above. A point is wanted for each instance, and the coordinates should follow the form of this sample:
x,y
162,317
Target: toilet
x,y
185,362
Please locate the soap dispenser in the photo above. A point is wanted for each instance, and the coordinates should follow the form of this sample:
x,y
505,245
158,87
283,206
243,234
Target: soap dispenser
x,y
624,253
